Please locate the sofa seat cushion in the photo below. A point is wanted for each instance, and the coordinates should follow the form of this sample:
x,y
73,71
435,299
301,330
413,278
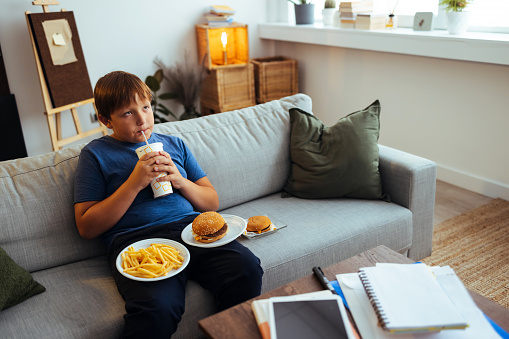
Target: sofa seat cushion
x,y
88,283
334,230
54,313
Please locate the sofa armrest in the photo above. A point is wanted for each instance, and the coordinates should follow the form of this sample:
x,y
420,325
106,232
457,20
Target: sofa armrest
x,y
410,181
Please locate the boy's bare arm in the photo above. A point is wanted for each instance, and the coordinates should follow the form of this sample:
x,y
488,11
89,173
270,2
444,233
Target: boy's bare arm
x,y
93,218
201,194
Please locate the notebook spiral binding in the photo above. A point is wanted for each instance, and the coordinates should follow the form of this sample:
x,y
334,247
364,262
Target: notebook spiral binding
x,y
381,315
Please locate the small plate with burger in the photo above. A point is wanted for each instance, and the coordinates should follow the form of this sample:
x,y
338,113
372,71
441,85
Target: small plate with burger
x,y
211,229
258,226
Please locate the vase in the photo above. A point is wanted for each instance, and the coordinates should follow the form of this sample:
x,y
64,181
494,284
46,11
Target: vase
x,y
392,22
304,14
457,22
328,16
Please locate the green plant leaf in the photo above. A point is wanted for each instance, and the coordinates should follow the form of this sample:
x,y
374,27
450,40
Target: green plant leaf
x,y
163,109
159,119
159,75
152,83
168,96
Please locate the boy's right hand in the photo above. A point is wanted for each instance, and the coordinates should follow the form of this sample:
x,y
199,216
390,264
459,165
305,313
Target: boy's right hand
x,y
144,172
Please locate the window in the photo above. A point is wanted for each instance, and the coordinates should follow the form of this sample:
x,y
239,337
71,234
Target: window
x,y
486,15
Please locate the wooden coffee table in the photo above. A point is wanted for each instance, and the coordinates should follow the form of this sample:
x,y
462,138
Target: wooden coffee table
x,y
239,321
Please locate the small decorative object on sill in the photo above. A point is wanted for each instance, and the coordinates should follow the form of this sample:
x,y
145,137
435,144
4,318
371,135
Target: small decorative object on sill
x,y
348,10
328,12
457,22
423,21
392,22
457,16
370,21
304,12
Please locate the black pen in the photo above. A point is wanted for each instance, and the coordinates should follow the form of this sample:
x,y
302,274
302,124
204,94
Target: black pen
x,y
323,280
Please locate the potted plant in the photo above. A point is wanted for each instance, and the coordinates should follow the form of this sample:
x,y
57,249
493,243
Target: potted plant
x,y
304,12
185,79
328,12
456,15
161,112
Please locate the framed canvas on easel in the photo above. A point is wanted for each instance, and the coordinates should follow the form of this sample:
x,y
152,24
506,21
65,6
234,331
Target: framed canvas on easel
x,y
62,70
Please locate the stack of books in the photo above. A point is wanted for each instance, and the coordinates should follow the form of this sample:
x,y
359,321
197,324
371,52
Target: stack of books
x,y
370,21
348,11
412,298
220,16
402,301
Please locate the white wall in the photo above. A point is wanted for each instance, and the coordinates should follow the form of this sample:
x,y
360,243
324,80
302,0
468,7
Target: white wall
x,y
115,35
452,112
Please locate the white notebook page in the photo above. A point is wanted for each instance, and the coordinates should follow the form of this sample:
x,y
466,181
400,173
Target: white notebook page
x,y
410,297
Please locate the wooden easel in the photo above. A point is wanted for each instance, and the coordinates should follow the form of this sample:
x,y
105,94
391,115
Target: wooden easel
x,y
53,113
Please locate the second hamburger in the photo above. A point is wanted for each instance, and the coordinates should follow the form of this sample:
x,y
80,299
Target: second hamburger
x,y
259,224
209,227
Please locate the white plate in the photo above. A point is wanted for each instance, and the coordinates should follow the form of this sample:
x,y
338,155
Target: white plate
x,y
236,226
146,244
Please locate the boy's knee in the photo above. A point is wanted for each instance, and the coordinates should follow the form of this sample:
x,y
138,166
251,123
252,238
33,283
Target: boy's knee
x,y
157,317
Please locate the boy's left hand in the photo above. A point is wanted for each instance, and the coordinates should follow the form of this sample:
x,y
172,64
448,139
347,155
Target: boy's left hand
x,y
173,174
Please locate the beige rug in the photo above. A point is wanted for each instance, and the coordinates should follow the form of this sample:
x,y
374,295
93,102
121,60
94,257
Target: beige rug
x,y
476,246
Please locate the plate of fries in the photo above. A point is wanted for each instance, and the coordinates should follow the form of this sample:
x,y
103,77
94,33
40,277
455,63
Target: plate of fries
x,y
152,259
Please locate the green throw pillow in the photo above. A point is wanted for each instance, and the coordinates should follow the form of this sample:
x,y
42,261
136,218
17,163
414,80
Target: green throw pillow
x,y
337,161
16,284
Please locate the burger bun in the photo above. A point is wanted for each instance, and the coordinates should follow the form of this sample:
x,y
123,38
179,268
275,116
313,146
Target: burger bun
x,y
259,224
209,227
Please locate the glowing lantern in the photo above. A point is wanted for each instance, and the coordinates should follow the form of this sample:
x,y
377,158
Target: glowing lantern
x,y
223,46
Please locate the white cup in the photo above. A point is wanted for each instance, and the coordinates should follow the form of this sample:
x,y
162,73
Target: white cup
x,y
160,188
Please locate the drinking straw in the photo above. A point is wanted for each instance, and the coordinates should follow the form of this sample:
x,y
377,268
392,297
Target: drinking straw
x,y
144,137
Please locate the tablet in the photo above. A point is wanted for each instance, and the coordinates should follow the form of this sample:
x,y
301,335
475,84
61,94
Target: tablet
x,y
316,317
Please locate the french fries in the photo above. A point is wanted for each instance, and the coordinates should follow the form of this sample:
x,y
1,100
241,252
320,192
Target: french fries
x,y
152,262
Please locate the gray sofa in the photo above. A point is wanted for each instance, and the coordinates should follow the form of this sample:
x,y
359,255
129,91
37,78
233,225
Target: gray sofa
x,y
246,156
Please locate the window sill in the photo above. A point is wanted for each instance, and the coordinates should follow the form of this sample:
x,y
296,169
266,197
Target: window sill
x,y
472,46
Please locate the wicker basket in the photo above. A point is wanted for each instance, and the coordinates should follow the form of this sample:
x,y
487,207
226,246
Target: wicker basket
x,y
275,78
227,89
210,47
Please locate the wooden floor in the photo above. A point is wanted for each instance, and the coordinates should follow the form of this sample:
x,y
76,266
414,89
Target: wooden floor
x,y
451,201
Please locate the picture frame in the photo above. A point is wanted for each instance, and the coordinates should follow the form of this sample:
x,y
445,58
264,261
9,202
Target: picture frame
x,y
423,21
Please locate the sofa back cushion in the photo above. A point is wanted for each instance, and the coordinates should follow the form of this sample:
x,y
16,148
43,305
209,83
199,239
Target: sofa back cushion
x,y
245,153
37,227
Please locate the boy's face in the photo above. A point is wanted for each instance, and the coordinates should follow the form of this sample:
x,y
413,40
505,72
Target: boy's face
x,y
128,122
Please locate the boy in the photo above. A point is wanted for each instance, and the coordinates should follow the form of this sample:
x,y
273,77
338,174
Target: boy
x,y
113,200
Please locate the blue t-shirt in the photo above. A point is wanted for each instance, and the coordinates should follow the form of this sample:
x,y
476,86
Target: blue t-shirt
x,y
106,163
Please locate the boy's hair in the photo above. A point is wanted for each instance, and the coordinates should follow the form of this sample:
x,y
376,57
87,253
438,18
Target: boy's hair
x,y
118,89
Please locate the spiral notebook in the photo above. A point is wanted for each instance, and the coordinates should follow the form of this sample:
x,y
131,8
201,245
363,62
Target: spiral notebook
x,y
408,298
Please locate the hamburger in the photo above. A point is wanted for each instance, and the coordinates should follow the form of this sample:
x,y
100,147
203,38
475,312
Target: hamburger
x,y
259,224
209,227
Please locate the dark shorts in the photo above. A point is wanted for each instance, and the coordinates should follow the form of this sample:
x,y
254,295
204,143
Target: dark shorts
x,y
232,273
